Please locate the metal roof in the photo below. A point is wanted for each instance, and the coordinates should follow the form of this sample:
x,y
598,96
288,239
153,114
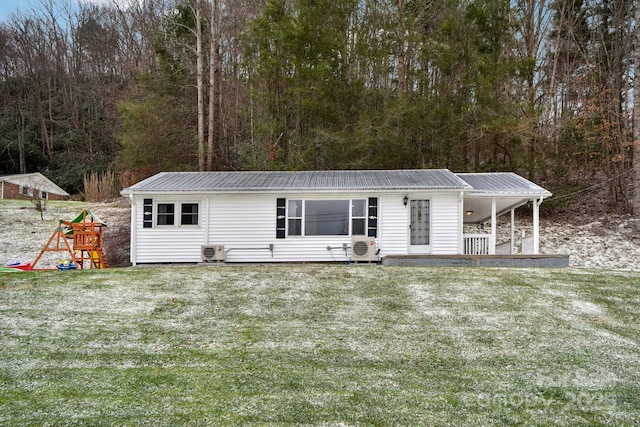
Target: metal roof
x,y
507,183
358,180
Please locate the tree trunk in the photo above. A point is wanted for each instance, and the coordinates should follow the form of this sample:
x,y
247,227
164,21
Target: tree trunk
x,y
402,70
636,113
214,91
200,87
21,140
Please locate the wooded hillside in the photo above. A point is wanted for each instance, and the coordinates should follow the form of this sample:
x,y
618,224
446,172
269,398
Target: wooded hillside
x,y
540,87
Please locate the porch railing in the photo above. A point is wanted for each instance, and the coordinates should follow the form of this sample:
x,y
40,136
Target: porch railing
x,y
476,244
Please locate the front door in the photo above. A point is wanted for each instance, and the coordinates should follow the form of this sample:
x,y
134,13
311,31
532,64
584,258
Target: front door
x,y
420,226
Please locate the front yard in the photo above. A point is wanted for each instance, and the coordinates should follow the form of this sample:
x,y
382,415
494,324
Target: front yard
x,y
319,345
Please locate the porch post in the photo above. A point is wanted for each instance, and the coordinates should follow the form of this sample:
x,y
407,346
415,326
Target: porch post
x,y
536,226
461,224
492,242
512,247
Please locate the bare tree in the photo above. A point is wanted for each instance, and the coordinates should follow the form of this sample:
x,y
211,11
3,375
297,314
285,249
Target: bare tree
x,y
202,164
636,112
214,87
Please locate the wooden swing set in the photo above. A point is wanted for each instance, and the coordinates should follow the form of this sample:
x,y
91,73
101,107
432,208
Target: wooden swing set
x,y
81,238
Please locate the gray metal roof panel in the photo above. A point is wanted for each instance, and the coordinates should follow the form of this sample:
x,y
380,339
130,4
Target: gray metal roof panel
x,y
362,180
502,183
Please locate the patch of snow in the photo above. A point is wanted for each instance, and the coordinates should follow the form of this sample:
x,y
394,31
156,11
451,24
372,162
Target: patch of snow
x,y
587,308
606,242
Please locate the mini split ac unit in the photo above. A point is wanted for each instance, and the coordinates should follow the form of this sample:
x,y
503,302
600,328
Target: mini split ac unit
x,y
364,249
212,253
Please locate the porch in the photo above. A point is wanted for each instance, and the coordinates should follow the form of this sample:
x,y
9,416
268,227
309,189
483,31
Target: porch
x,y
496,196
514,261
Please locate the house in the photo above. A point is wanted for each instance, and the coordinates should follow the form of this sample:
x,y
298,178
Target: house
x,y
323,216
30,186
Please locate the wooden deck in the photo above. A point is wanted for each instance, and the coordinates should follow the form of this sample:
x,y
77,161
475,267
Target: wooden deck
x,y
521,261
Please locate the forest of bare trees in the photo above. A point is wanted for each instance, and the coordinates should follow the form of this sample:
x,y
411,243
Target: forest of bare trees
x,y
540,87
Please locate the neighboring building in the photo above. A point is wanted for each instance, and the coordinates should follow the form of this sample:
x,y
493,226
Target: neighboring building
x,y
30,186
321,216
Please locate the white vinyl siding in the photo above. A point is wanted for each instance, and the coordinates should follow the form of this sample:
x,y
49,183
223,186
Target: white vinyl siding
x,y
165,243
393,223
445,229
246,225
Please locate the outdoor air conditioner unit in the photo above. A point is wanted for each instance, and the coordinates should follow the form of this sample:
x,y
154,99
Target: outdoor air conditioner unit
x,y
212,253
364,249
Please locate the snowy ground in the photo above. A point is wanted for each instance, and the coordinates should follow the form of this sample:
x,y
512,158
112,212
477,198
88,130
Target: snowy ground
x,y
23,232
602,242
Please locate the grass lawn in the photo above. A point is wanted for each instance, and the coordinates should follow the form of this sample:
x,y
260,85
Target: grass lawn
x,y
320,345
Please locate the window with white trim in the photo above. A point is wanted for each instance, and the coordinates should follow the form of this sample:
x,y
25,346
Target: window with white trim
x,y
166,214
294,217
341,217
189,214
358,217
174,213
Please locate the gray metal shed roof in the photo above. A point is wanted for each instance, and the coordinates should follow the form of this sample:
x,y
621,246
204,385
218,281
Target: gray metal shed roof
x,y
358,180
502,183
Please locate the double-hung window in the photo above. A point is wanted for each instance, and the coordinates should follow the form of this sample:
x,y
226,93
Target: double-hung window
x,y
189,214
326,217
166,214
173,213
294,217
358,217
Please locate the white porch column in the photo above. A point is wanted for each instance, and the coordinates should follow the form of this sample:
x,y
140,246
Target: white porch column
x,y
512,247
536,226
494,224
461,223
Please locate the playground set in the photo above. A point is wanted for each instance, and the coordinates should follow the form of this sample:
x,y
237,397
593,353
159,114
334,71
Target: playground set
x,y
80,239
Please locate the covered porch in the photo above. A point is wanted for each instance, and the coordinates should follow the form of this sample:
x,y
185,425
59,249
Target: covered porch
x,y
494,196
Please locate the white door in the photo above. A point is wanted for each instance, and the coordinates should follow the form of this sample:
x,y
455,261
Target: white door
x,y
420,227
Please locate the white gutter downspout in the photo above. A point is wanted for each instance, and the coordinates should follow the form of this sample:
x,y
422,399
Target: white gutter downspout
x,y
134,216
207,202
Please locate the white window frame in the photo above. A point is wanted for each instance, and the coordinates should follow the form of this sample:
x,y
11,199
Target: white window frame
x,y
364,217
303,218
177,213
197,214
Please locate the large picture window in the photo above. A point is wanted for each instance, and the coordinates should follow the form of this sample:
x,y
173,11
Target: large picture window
x,y
326,217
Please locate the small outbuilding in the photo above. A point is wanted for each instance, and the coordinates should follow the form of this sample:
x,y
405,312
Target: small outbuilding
x,y
30,186
324,216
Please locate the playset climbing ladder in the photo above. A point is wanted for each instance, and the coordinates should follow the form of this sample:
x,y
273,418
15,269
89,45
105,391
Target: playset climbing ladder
x,y
81,238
